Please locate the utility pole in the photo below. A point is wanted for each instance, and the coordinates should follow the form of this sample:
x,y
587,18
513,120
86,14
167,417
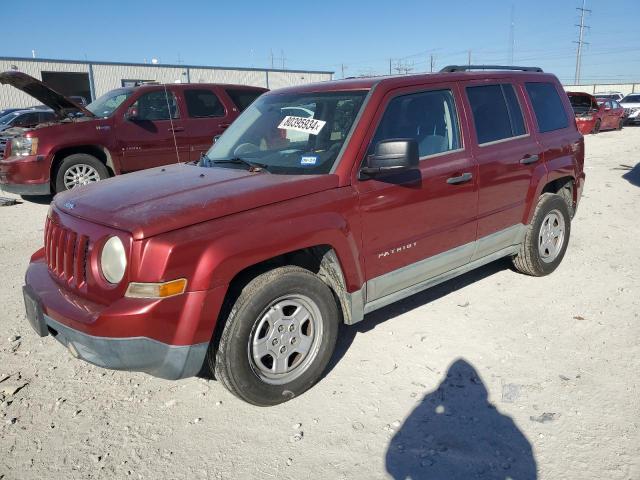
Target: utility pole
x,y
512,36
431,63
469,58
282,52
390,66
343,68
272,58
580,41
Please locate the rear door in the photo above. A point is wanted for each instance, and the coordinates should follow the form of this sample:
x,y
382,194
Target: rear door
x,y
206,117
507,155
151,138
420,223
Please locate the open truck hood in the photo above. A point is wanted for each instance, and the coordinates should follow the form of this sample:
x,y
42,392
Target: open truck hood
x,y
60,104
159,200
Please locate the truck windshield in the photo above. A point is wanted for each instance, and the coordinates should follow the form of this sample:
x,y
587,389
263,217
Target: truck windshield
x,y
105,105
299,133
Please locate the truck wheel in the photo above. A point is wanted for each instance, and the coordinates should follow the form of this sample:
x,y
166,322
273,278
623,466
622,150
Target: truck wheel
x,y
596,127
546,238
278,338
79,169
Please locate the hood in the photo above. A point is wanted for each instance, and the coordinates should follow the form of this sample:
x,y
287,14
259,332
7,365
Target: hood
x,y
160,200
60,104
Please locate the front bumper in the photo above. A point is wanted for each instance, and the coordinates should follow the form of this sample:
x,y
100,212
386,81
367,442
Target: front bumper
x,y
25,175
166,338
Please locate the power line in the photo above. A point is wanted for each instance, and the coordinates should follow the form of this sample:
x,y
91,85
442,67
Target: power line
x,y
581,41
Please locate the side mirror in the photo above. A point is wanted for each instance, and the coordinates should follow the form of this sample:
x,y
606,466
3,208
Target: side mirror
x,y
132,114
392,156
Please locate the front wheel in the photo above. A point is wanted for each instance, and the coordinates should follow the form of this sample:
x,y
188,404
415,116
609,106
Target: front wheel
x,y
278,337
620,124
546,238
79,169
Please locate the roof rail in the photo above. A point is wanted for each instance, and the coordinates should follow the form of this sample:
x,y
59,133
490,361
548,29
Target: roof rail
x,y
464,68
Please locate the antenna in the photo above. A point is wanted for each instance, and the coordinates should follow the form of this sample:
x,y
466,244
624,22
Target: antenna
x,y
512,36
173,130
580,41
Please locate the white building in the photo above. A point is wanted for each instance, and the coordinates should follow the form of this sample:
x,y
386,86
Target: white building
x,y
91,79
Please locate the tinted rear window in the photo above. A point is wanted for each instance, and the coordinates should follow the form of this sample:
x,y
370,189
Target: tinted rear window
x,y
202,103
547,106
243,98
496,112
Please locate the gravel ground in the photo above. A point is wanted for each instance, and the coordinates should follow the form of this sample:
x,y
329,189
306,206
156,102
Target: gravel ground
x,y
491,375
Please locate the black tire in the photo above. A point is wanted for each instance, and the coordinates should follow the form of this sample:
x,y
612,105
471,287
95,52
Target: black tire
x,y
529,259
596,127
74,160
231,359
620,124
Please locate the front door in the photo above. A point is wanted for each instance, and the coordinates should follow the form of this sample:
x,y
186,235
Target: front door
x,y
152,136
420,223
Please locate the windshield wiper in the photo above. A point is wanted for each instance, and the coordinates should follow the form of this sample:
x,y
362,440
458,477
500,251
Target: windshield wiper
x,y
252,166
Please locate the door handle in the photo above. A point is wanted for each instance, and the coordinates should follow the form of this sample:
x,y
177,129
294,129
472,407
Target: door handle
x,y
527,159
465,177
176,129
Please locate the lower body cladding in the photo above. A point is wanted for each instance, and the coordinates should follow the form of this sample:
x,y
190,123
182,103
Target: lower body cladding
x,y
137,354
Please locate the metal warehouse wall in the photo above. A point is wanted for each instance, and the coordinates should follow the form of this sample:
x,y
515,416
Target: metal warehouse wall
x,y
107,76
624,88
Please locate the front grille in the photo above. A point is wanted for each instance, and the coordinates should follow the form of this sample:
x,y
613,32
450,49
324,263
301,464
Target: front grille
x,y
66,254
3,146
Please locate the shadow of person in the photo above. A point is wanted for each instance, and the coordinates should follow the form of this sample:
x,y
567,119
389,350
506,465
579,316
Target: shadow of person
x,y
456,434
633,174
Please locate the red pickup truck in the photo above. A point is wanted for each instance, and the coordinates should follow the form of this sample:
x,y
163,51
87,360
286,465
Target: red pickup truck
x,y
126,129
320,203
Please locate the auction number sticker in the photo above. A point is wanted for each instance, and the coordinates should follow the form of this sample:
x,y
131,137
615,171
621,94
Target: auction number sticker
x,y
301,124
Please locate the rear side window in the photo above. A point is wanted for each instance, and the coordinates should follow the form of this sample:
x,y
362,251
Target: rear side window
x,y
243,98
202,103
428,117
547,106
496,112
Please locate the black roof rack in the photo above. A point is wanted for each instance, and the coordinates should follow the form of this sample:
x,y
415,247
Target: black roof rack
x,y
464,68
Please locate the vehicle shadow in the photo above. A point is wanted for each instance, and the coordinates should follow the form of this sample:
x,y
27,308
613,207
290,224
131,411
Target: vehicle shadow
x,y
348,332
39,199
455,433
633,174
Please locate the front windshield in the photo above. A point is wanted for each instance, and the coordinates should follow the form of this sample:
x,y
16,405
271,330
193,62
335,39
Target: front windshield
x,y
297,133
105,105
631,99
8,117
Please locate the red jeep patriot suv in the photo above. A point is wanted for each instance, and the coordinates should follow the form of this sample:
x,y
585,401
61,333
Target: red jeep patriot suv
x,y
126,129
321,203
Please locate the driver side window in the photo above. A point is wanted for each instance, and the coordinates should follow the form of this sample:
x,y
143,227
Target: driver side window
x,y
157,106
429,118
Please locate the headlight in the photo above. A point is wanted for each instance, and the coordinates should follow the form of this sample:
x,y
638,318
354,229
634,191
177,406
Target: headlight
x,y
587,118
113,260
23,146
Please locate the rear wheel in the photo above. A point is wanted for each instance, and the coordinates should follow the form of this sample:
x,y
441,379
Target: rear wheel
x,y
278,337
620,124
546,238
79,169
596,127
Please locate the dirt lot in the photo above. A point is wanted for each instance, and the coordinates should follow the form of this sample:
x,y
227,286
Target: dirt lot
x,y
491,375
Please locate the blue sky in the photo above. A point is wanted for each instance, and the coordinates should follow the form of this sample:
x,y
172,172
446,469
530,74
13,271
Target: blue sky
x,y
361,35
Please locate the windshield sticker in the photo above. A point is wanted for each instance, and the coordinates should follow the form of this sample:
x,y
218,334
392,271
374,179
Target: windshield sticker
x,y
309,160
300,124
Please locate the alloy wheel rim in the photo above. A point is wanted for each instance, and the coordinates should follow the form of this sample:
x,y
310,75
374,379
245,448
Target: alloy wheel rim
x,y
551,236
285,339
80,174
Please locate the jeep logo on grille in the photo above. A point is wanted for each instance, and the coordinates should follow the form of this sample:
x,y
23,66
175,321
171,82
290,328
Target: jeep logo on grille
x,y
69,205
